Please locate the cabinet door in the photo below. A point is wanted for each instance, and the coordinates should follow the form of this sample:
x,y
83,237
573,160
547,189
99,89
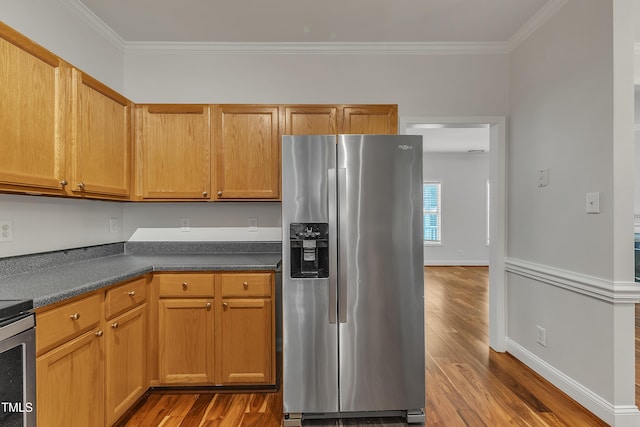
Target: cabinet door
x,y
100,154
246,341
370,119
247,152
125,361
186,341
310,120
70,383
172,151
34,110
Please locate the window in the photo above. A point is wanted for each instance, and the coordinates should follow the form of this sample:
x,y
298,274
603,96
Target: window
x,y
431,212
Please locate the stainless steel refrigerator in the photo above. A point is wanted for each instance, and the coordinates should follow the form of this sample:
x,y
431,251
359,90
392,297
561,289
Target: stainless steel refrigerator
x,y
352,277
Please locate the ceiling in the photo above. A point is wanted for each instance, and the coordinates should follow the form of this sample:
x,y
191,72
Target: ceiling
x,y
313,21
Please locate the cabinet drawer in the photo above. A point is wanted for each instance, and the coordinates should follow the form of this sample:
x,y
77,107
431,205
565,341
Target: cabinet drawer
x,y
125,296
246,285
186,285
67,321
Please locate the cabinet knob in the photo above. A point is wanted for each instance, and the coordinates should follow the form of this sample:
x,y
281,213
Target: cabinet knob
x,y
75,316
225,305
114,325
81,185
208,306
205,194
64,183
245,285
99,333
185,285
219,193
132,293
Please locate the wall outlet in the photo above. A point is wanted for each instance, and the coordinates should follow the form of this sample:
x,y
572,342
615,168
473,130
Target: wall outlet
x,y
6,230
114,225
185,224
543,177
541,335
253,224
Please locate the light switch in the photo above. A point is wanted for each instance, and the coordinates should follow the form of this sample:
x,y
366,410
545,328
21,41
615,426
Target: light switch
x,y
593,203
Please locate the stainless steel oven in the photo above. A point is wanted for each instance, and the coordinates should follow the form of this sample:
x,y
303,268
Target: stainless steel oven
x,y
17,364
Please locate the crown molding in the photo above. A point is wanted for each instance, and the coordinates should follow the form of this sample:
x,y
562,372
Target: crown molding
x,y
533,24
97,24
159,48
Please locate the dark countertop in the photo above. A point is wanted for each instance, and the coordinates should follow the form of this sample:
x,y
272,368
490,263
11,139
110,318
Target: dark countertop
x,y
57,283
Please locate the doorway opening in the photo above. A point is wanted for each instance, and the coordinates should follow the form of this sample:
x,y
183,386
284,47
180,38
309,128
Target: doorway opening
x,y
496,202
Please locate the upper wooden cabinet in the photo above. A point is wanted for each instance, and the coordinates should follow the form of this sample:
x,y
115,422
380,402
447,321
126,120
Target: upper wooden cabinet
x,y
34,116
247,152
101,144
172,151
369,119
309,120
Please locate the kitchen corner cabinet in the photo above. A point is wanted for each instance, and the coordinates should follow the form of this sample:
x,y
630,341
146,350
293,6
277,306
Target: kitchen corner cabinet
x,y
172,152
34,116
247,329
247,152
369,119
101,143
309,120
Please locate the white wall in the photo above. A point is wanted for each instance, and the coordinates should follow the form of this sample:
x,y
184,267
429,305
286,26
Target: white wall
x,y
568,269
55,27
464,208
421,85
42,224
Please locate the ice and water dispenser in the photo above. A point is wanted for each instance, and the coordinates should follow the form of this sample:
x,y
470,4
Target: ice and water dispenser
x,y
309,250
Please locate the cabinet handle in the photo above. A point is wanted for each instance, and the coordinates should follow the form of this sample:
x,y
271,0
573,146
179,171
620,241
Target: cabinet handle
x,y
219,193
185,285
75,316
132,293
81,185
114,325
245,285
225,305
64,183
99,333
205,194
208,306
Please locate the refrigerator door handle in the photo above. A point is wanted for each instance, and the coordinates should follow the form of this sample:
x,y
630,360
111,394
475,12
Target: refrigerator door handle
x,y
342,245
333,250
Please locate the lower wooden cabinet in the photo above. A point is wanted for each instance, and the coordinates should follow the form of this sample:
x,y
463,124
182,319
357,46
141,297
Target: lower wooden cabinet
x,y
94,352
91,357
246,341
70,383
126,356
225,339
186,341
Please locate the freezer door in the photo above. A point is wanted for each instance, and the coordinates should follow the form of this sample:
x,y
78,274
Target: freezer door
x,y
309,305
381,291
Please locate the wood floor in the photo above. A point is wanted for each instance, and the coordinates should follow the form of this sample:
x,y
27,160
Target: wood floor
x,y
467,383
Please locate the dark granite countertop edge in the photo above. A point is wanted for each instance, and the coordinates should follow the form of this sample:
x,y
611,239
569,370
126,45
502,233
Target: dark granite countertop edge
x,y
90,275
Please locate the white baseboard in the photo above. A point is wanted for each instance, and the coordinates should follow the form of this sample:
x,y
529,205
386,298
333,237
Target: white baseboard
x,y
618,416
